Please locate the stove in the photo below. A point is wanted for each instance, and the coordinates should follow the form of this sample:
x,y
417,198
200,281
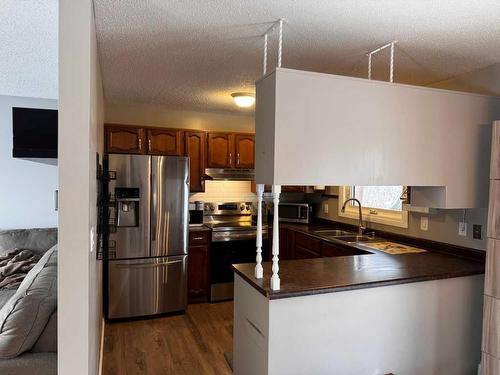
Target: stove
x,y
234,235
232,221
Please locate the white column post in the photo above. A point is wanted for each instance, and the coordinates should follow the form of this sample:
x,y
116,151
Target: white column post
x,y
275,279
391,64
369,66
265,55
259,271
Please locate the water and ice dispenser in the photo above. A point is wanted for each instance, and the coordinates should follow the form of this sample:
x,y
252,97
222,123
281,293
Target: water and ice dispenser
x,y
127,200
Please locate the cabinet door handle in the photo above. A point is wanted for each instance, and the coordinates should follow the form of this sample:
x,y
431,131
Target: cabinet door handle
x,y
238,159
230,159
149,144
140,144
197,238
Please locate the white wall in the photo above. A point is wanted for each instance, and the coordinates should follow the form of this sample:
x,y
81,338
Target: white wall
x,y
80,120
27,187
157,115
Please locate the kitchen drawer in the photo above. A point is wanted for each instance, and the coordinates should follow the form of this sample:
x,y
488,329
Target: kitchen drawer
x,y
307,242
199,238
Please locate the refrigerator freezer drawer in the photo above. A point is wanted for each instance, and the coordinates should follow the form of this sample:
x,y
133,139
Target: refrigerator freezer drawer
x,y
142,287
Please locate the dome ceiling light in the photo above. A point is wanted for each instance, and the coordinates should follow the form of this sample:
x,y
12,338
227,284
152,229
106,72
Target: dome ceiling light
x,y
243,99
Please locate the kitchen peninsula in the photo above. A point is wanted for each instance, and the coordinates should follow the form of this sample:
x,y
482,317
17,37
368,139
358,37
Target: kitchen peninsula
x,y
378,309
411,313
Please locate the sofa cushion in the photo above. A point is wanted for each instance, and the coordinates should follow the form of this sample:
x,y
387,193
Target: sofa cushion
x,y
26,313
36,240
5,295
47,342
30,364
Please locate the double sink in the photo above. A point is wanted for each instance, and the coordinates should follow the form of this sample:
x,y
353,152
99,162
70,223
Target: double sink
x,y
346,236
368,241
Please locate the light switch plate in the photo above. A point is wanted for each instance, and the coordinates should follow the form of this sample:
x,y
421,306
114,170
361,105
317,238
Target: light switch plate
x,y
462,229
424,223
325,208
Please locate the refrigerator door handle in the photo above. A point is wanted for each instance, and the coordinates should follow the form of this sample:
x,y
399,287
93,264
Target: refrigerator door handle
x,y
147,265
154,203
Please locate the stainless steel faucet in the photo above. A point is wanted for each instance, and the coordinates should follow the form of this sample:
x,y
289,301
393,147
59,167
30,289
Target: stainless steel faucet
x,y
361,228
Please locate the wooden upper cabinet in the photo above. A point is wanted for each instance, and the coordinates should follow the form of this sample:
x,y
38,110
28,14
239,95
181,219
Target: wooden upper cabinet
x,y
125,139
244,148
220,152
195,143
164,142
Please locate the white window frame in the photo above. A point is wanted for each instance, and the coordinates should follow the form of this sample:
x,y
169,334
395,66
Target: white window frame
x,y
371,215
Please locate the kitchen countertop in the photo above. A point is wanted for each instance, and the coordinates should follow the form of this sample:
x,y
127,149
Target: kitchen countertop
x,y
198,228
326,275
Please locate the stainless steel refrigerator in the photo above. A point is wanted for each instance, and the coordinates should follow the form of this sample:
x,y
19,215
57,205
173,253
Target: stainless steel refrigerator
x,y
150,214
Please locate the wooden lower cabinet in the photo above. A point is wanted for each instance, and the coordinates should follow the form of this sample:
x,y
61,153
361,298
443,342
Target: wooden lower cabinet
x,y
305,247
286,244
198,266
331,250
296,245
303,253
293,189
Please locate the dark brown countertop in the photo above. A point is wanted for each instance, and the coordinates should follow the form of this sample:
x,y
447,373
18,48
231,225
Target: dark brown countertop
x,y
326,275
198,228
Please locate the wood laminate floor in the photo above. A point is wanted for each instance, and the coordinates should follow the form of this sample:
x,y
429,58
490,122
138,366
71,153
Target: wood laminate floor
x,y
192,343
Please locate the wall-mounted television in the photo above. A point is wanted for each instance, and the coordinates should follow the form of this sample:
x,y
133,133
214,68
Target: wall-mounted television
x,y
34,133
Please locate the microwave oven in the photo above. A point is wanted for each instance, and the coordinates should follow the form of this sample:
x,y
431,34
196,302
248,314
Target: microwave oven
x,y
295,212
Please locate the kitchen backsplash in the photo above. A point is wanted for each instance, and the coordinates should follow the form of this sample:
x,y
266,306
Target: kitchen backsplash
x,y
225,191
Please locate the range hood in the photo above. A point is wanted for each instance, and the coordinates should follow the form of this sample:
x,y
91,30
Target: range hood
x,y
229,174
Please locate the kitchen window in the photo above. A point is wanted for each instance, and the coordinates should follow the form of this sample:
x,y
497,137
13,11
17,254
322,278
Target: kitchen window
x,y
381,204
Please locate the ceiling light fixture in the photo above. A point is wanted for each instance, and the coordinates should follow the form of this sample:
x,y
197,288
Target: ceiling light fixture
x,y
243,99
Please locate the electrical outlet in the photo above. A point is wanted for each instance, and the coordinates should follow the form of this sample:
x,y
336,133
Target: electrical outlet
x,y
462,229
476,231
424,223
325,208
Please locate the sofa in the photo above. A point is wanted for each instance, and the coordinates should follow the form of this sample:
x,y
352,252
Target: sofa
x,y
39,356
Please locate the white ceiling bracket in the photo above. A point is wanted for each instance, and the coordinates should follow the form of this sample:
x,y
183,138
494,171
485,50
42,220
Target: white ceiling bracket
x,y
391,61
280,42
265,54
279,24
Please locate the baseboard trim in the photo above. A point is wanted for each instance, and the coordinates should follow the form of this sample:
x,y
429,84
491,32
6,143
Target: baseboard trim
x,y
101,350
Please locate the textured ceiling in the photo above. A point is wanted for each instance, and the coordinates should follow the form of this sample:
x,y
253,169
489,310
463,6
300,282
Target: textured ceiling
x,y
28,48
193,54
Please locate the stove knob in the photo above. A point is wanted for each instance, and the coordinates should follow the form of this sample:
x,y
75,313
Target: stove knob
x,y
242,207
212,208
